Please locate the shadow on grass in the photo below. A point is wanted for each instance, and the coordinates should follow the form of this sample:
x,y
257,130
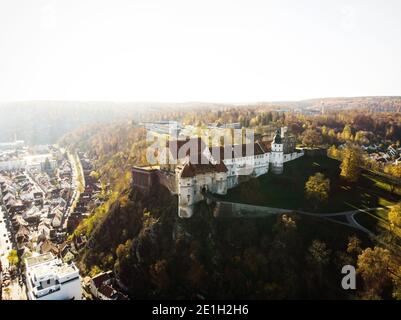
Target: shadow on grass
x,y
288,190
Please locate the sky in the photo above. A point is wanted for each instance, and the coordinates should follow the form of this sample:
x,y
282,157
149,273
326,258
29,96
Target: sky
x,y
205,50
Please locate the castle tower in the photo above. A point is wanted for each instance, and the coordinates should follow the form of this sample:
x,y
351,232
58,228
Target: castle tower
x,y
277,154
186,195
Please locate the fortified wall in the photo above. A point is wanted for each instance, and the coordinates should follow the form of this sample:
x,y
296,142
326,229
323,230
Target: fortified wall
x,y
146,179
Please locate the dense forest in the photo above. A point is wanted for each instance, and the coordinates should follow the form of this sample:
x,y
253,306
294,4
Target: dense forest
x,y
155,254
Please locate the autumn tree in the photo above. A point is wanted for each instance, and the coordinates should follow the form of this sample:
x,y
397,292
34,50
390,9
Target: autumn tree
x,y
346,135
373,266
334,153
311,138
332,136
13,258
350,166
361,137
394,216
317,187
318,253
159,274
95,270
395,172
397,284
354,245
317,259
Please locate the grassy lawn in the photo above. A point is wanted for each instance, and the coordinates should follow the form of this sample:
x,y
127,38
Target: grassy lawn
x,y
373,219
287,190
376,220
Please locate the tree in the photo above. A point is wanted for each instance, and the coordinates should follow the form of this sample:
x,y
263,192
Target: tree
x,y
361,137
397,284
318,253
332,136
13,258
334,153
95,175
350,166
311,138
317,187
159,274
394,171
95,271
373,265
354,245
394,216
346,135
317,258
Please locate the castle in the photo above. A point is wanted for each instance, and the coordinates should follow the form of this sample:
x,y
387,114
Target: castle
x,y
193,168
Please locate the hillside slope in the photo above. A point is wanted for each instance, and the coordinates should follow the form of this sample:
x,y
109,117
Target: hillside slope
x,y
157,255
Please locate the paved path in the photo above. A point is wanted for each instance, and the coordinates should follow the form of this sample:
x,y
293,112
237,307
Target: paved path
x,y
77,171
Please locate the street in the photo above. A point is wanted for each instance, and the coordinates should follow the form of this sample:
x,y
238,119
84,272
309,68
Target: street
x,y
5,241
14,291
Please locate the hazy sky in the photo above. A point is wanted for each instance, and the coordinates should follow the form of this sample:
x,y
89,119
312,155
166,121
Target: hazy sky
x,y
205,50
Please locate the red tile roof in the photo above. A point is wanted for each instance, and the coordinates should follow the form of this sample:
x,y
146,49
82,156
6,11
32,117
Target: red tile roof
x,y
191,170
100,279
107,291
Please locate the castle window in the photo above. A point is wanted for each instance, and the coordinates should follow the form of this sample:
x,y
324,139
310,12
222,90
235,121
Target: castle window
x,y
188,197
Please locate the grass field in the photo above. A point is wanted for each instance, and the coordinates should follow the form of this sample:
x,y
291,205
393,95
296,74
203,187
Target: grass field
x,y
376,220
288,190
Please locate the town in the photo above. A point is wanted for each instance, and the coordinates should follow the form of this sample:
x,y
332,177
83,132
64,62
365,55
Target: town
x,y
44,193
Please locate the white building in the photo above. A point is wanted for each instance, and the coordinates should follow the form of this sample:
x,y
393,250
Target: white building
x,y
189,168
218,169
48,278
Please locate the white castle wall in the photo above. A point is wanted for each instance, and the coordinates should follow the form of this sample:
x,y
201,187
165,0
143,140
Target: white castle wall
x,y
190,189
292,156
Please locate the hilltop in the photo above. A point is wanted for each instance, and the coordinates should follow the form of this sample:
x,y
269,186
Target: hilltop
x,y
156,254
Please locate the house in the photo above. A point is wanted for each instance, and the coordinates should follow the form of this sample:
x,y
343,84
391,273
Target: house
x,y
44,228
392,151
102,287
14,206
57,218
32,213
46,246
22,234
98,281
49,278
